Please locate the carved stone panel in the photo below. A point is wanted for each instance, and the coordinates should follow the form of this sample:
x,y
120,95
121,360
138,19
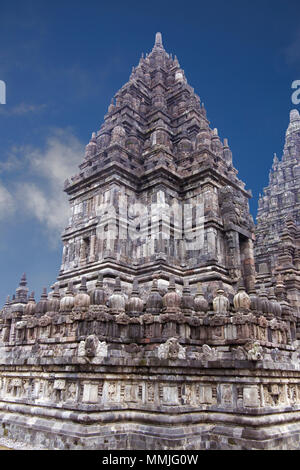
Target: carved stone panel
x,y
226,394
251,396
90,393
169,395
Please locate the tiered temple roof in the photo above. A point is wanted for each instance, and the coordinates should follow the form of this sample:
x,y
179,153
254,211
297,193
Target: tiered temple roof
x,y
156,120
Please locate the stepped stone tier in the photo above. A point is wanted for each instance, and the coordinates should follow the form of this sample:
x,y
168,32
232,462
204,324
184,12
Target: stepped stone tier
x,y
155,334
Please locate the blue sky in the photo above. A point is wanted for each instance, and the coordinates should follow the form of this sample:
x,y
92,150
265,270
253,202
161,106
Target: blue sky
x,y
63,61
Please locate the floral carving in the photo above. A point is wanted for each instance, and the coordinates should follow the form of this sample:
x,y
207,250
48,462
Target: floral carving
x,y
171,349
92,347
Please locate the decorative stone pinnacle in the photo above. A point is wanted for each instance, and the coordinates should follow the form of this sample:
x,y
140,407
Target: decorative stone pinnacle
x,y
263,291
56,291
241,284
172,283
221,292
99,282
294,115
158,40
135,286
294,124
82,287
272,293
279,281
69,290
117,287
154,283
44,293
199,288
23,281
186,286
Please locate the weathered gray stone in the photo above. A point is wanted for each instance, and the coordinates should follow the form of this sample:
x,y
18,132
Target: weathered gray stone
x,y
127,352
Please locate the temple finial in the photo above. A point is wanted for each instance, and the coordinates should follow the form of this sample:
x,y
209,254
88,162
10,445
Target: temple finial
x,y
294,115
23,281
158,40
294,125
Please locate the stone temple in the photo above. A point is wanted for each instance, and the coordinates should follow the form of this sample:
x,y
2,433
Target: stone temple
x,y
174,322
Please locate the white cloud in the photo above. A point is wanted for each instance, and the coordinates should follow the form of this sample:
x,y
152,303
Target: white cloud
x,y
59,159
39,192
7,203
50,208
13,162
21,109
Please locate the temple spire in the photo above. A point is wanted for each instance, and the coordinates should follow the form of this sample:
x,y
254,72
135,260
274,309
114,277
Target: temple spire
x,y
158,40
22,290
279,201
294,125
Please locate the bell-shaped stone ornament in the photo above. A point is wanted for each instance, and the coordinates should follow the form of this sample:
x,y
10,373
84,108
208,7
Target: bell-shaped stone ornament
x,y
17,307
200,302
187,299
241,300
116,301
98,295
276,307
54,300
29,308
171,300
255,302
265,304
281,296
67,301
280,290
135,305
42,305
82,299
154,302
221,303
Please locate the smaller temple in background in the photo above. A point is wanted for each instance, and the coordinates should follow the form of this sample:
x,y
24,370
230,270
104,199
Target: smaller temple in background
x,y
159,332
277,244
